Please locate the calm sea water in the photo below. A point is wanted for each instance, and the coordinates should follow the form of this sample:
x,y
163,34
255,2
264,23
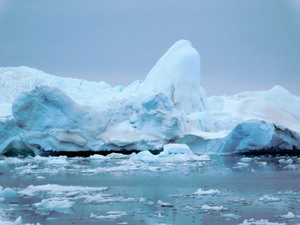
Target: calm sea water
x,y
221,190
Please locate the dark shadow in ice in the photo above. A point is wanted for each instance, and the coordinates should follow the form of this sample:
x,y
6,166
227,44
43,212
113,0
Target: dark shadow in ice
x,y
90,153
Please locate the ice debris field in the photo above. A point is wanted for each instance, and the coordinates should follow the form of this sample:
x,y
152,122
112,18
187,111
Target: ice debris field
x,y
142,188
178,163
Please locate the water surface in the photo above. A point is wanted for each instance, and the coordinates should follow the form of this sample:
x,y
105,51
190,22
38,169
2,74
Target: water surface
x,y
218,190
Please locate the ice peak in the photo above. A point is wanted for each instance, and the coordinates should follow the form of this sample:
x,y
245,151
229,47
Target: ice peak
x,y
180,62
180,44
278,88
177,74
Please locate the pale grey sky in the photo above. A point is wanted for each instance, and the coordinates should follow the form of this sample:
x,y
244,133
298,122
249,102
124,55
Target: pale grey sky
x,y
244,45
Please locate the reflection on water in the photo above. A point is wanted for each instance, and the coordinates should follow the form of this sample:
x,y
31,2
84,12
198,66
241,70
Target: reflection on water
x,y
119,189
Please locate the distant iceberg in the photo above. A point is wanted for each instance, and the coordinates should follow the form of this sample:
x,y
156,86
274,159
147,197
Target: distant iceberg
x,y
41,112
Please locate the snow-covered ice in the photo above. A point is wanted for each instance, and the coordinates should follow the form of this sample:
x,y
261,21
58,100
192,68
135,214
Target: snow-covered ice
x,y
41,112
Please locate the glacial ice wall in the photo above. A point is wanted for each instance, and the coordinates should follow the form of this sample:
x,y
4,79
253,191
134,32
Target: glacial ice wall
x,y
44,112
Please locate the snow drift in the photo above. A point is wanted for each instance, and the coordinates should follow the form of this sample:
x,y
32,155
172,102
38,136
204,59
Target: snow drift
x,y
41,112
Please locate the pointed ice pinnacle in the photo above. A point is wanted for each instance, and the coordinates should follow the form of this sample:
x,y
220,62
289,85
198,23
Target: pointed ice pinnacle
x,y
177,74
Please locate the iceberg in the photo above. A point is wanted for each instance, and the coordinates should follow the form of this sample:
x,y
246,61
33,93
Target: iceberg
x,y
168,110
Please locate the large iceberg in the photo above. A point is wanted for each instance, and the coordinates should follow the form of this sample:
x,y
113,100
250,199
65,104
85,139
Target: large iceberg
x,y
41,112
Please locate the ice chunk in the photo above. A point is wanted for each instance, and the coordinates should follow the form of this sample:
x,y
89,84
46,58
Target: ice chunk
x,y
102,198
246,160
259,135
208,192
109,215
174,149
54,189
213,208
54,204
143,156
260,222
18,221
267,198
283,161
8,193
230,216
289,215
164,204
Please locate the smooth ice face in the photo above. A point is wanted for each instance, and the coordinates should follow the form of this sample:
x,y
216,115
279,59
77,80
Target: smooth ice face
x,y
177,74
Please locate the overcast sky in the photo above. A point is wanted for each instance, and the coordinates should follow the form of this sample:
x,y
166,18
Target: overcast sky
x,y
244,45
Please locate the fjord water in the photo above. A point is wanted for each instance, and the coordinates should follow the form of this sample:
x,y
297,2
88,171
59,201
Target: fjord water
x,y
118,190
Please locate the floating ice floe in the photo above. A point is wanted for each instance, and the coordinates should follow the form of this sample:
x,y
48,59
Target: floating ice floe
x,y
229,216
59,190
7,193
109,215
54,204
267,198
104,198
61,198
170,153
164,204
18,221
260,222
207,192
289,215
213,208
285,161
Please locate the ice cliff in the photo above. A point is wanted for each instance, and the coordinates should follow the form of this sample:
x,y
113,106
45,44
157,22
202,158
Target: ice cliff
x,y
41,112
